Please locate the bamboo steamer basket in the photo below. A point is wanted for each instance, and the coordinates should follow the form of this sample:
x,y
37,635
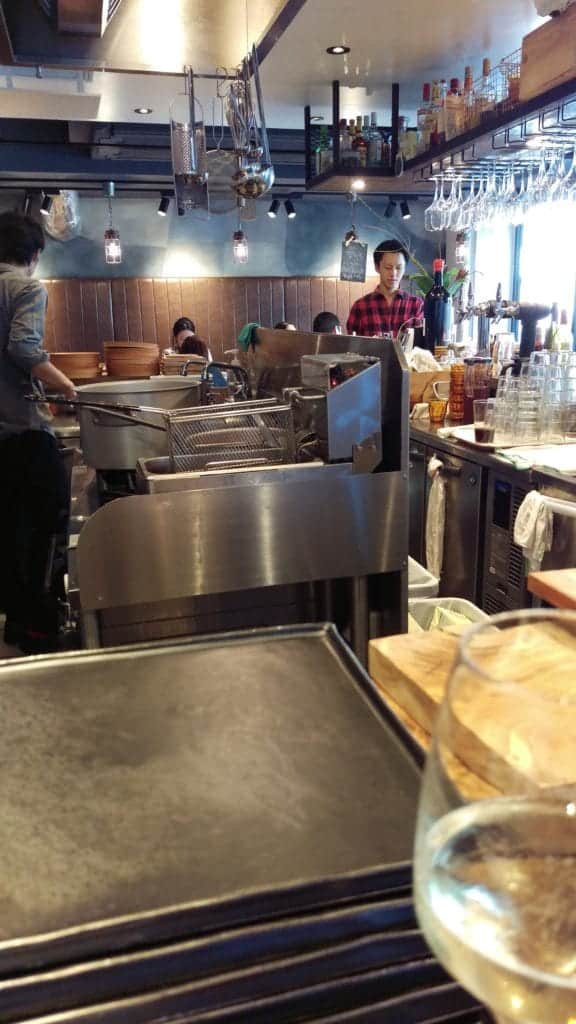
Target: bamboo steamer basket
x,y
131,359
77,365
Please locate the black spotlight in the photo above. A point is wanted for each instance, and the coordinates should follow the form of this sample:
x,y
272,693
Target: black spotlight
x,y
274,207
46,205
164,206
405,210
390,207
291,212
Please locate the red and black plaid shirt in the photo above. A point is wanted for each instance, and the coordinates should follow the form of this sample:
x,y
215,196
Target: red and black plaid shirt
x,y
373,314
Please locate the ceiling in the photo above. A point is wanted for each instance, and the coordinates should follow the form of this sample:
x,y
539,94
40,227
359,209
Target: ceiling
x,y
400,40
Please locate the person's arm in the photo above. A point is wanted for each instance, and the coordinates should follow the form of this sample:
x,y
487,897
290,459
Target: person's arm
x,y
54,379
25,342
353,320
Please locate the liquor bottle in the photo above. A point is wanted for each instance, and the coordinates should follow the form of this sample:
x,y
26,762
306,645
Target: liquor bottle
x,y
437,311
345,142
454,110
386,152
374,142
321,149
566,337
434,114
353,157
360,146
422,119
468,97
487,92
552,337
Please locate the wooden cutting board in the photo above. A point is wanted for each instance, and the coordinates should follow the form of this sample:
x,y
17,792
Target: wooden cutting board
x,y
556,586
497,735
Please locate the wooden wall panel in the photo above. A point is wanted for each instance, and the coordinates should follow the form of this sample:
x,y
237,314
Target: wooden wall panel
x,y
163,325
278,300
133,311
76,314
90,315
148,311
104,310
83,314
304,321
119,311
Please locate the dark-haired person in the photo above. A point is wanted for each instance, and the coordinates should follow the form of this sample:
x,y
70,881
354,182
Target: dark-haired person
x,y
283,325
34,483
326,323
186,341
385,309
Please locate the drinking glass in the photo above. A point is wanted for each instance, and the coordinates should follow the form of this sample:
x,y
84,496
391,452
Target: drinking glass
x,y
495,858
437,410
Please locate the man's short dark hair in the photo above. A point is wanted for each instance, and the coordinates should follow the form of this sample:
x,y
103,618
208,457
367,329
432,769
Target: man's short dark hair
x,y
183,324
390,245
21,238
325,322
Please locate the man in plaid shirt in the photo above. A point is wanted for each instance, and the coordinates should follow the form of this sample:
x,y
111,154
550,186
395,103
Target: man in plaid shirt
x,y
387,308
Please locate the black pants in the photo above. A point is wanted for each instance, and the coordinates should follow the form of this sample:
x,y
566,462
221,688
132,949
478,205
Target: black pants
x,y
34,501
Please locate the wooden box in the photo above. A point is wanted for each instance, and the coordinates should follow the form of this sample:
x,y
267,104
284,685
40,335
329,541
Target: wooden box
x,y
549,55
421,385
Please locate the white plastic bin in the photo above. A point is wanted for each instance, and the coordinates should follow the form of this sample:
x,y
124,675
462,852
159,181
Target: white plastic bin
x,y
443,613
421,583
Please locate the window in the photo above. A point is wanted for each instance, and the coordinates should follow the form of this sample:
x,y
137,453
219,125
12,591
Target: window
x,y
493,261
548,257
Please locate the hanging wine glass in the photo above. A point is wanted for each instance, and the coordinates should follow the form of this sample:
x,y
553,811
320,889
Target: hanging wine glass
x,y
430,211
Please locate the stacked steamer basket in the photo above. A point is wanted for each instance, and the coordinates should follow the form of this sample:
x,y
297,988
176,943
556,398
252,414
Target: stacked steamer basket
x,y
172,362
130,359
77,366
196,849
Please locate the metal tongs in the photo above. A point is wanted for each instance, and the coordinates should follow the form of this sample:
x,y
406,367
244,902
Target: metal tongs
x,y
123,412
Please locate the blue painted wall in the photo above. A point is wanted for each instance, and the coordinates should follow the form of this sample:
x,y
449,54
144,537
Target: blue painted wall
x,y
192,246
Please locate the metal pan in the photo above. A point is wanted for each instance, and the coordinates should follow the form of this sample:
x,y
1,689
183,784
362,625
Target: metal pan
x,y
206,784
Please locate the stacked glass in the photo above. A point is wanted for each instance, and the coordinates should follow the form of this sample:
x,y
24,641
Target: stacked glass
x,y
538,406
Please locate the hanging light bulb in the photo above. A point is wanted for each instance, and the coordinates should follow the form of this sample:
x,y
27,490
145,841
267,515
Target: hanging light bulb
x,y
240,247
112,244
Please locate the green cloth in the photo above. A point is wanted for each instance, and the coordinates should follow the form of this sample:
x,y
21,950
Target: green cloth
x,y
247,336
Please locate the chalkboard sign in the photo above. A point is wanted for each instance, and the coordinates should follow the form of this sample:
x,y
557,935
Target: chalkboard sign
x,y
353,263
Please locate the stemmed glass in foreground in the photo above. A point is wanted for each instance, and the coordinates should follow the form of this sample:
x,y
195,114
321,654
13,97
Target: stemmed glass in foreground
x,y
495,867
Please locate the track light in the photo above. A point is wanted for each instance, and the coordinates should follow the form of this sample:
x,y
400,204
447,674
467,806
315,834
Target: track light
x,y
46,205
291,212
274,207
164,206
405,210
390,207
239,247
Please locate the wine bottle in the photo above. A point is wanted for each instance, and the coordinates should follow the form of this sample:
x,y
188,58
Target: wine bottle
x,y
437,311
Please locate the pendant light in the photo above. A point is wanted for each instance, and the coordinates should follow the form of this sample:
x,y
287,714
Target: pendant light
x,y
240,246
112,244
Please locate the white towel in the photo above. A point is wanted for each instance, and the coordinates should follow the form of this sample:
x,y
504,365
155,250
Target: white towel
x,y
533,529
435,518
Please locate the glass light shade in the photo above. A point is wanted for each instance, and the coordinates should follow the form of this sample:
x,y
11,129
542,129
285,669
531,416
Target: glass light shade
x,y
240,247
112,246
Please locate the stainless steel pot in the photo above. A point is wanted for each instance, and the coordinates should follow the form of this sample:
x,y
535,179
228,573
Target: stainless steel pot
x,y
109,442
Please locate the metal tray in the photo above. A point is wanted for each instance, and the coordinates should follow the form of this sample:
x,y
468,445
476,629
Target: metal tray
x,y
284,1005
215,972
169,790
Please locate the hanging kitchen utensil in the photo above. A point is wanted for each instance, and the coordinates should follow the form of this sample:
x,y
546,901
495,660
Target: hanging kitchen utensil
x,y
188,144
245,114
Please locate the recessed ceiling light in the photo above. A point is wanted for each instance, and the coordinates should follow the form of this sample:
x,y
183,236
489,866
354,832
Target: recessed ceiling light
x,y
316,117
358,184
338,50
143,110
